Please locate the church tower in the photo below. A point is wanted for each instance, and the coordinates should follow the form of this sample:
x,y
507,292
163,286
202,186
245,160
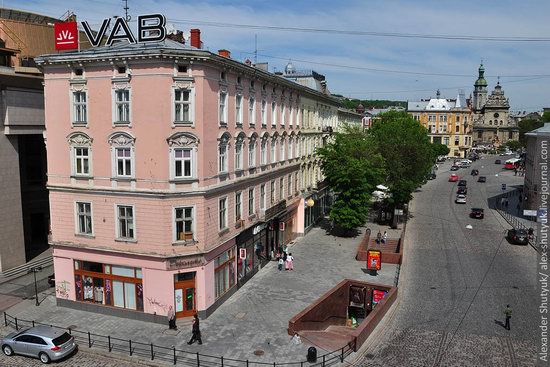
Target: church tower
x,y
480,90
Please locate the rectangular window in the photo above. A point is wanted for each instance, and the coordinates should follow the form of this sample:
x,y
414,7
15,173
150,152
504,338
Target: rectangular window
x,y
82,161
281,188
296,183
457,128
238,109
183,163
446,140
289,185
290,148
79,108
124,162
222,162
125,222
273,114
223,108
457,141
273,151
263,153
184,223
282,151
182,104
252,154
252,111
84,215
122,103
238,156
238,205
283,114
290,116
250,202
272,192
264,114
223,213
224,272
262,196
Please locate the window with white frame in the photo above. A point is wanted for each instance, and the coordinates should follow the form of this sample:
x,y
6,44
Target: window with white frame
x,y
183,163
262,196
290,148
122,106
239,154
238,205
223,108
273,113
264,112
81,161
446,140
283,113
222,154
273,151
298,148
238,109
281,188
252,153
289,185
252,111
183,225
222,217
122,148
80,115
125,221
263,152
123,157
296,183
282,150
272,192
431,117
84,218
250,202
224,272
290,116
183,148
182,105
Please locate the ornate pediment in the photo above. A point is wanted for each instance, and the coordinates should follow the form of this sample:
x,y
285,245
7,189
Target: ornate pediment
x,y
79,139
183,140
122,139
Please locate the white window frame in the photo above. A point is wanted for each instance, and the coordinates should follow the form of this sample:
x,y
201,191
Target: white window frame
x,y
238,205
283,113
190,103
251,207
75,159
289,185
252,111
252,153
290,148
282,149
117,226
116,103
130,158
174,224
273,113
263,152
272,192
264,112
273,150
174,160
281,188
77,219
78,106
222,221
238,109
262,197
290,115
222,107
239,155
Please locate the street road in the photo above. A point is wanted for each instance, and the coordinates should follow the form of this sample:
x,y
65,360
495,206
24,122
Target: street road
x,y
455,282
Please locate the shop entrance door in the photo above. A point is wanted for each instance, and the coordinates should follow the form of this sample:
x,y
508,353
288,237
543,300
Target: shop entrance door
x,y
184,294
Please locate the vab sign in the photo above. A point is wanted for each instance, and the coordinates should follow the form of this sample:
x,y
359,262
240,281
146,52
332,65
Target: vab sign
x,y
151,28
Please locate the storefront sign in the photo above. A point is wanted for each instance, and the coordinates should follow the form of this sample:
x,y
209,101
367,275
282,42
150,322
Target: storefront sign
x,y
274,210
242,253
151,28
258,228
185,262
66,36
373,260
377,296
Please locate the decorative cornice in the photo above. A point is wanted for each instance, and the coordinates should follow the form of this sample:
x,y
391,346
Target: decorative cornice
x,y
79,139
183,140
121,139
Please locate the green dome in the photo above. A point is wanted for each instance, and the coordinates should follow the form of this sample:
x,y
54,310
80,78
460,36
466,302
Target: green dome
x,y
481,82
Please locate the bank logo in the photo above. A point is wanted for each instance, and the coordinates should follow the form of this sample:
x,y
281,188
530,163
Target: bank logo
x,y
66,36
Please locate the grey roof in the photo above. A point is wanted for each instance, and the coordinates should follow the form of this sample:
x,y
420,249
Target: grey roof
x,y
541,130
417,105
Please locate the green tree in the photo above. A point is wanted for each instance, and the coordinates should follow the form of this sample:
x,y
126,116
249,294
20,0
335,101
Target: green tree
x,y
407,151
352,169
513,145
440,149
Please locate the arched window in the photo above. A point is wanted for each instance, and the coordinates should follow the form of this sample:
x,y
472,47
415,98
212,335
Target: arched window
x,y
122,154
81,154
183,149
223,150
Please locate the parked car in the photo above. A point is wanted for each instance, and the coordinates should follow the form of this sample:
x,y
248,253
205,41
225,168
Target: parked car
x,y
462,190
498,161
474,172
462,183
51,280
460,199
518,236
454,168
44,342
464,164
477,213
453,177
482,179
431,176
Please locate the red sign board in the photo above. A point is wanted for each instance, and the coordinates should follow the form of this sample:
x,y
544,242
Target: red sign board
x,y
377,296
66,36
282,226
374,260
242,253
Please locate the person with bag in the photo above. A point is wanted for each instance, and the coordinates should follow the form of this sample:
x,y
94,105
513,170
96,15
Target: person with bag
x,y
172,319
196,331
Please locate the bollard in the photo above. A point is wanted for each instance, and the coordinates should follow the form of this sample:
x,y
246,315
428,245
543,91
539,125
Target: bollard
x,y
174,355
247,363
221,360
198,360
302,364
152,352
89,340
5,319
323,360
16,327
342,356
32,323
130,346
109,341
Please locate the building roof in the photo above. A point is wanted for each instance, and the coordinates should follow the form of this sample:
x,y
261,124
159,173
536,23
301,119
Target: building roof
x,y
25,16
541,130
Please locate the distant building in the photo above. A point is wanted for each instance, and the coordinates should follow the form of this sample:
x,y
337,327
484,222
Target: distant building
x,y
349,117
493,124
371,114
535,161
307,78
449,121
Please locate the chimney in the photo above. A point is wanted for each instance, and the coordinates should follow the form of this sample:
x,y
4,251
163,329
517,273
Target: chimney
x,y
224,53
248,62
196,38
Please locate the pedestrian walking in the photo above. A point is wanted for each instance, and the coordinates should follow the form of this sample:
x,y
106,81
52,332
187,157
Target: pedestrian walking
x,y
281,263
508,314
378,237
171,319
384,237
196,331
290,262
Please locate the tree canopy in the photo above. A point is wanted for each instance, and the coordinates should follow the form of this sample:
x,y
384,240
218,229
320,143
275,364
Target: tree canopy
x,y
440,149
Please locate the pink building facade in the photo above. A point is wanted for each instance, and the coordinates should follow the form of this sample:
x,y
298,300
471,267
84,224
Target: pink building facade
x,y
174,174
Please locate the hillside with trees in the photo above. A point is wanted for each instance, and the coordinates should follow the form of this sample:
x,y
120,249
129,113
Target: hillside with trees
x,y
371,103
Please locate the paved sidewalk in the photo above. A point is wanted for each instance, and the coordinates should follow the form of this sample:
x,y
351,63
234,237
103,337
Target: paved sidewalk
x,y
254,318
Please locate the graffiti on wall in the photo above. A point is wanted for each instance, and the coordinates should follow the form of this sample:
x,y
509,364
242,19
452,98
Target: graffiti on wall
x,y
153,303
62,289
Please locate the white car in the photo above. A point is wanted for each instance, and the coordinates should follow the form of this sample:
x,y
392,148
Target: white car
x,y
460,199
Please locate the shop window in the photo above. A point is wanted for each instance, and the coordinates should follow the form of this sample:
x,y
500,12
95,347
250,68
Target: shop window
x,y
180,277
224,272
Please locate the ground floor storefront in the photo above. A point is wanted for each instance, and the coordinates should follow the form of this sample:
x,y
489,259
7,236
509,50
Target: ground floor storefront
x,y
316,207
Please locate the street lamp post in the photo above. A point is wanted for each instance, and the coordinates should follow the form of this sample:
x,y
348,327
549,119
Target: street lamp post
x,y
35,270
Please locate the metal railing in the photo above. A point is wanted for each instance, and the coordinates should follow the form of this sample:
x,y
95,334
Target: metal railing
x,y
172,354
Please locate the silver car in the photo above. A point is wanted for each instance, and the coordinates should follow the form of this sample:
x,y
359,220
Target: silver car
x,y
460,199
44,342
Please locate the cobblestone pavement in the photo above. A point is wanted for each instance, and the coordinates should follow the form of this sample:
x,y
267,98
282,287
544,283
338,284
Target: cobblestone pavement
x,y
255,318
455,283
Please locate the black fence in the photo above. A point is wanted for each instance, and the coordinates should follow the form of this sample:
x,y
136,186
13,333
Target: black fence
x,y
173,355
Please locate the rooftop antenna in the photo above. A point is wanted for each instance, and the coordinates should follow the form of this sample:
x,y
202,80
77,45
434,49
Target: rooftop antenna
x,y
127,17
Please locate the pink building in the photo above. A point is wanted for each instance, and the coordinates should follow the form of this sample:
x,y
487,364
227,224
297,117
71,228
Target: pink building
x,y
174,174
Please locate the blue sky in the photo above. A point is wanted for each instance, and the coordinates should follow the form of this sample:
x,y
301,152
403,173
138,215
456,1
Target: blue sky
x,y
343,58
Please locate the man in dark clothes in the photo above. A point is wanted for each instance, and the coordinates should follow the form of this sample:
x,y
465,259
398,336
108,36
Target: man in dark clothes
x,y
508,314
196,331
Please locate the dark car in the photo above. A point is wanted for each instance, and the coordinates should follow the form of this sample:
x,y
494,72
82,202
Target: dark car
x,y
454,168
482,179
431,176
462,190
462,183
518,236
474,172
498,161
477,213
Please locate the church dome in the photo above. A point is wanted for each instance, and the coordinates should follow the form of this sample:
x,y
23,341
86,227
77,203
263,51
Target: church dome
x,y
289,68
481,82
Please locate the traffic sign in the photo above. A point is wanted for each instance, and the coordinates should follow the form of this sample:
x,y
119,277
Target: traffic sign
x,y
503,187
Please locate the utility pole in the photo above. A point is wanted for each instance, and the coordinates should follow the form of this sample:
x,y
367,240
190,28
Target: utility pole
x,y
35,270
126,8
255,49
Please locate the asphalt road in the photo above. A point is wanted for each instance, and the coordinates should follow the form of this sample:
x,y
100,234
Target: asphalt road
x,y
455,282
